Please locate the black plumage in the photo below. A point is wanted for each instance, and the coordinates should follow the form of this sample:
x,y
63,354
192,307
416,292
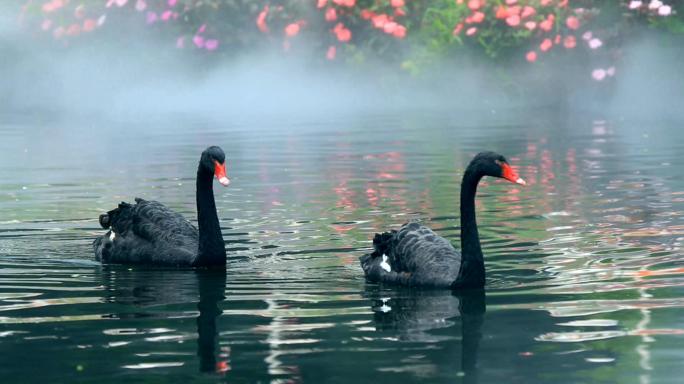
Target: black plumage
x,y
416,256
149,233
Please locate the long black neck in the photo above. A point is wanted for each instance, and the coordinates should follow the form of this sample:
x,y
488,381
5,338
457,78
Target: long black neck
x,y
472,273
212,251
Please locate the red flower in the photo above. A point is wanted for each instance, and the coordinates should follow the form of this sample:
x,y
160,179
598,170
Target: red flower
x,y
546,45
572,22
531,56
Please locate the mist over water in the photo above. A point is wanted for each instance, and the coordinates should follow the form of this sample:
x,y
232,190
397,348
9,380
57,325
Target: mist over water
x,y
134,74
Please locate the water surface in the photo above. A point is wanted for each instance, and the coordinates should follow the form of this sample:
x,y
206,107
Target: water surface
x,y
585,275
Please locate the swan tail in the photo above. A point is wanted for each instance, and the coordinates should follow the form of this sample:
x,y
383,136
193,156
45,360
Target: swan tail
x,y
382,243
379,266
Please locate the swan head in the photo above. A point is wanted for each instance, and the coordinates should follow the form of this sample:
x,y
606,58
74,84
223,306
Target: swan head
x,y
213,160
494,164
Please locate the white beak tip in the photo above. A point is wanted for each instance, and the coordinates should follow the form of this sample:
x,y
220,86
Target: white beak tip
x,y
224,181
520,181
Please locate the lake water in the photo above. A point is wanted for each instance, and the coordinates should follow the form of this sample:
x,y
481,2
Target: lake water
x,y
585,276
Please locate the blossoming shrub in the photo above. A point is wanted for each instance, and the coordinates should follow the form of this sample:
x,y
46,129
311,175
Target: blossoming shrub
x,y
400,31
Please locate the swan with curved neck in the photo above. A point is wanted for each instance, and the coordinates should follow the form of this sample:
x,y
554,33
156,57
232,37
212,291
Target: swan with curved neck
x,y
416,256
148,232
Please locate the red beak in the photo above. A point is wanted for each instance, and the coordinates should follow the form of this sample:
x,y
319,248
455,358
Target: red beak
x,y
220,173
509,174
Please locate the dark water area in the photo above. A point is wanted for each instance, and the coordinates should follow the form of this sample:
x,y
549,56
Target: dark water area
x,y
585,274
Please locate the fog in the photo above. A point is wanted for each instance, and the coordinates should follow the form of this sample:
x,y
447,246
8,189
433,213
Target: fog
x,y
128,76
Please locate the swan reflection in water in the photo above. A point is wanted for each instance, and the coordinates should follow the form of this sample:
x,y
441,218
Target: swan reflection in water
x,y
152,294
430,316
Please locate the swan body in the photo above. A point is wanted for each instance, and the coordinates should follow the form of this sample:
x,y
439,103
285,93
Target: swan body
x,y
149,233
414,255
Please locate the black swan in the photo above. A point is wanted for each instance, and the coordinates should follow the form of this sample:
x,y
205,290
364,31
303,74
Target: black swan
x,y
416,256
149,233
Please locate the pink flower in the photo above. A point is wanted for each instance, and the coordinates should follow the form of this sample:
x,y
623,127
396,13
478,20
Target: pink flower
x,y
471,31
572,22
501,12
531,56
379,20
655,4
474,5
198,41
211,44
151,17
367,14
634,4
292,29
261,20
598,74
330,14
570,42
595,43
89,25
140,5
120,3
511,2
527,12
587,35
343,34
546,25
320,4
202,28
166,15
531,25
46,24
172,3
400,32
545,45
513,20
73,30
544,3
665,10
457,29
332,52
345,3
397,3
390,27
477,17
610,71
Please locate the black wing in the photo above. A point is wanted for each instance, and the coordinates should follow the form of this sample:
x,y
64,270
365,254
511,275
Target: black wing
x,y
146,232
415,256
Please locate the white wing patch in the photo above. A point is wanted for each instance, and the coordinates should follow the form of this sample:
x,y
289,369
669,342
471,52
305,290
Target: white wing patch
x,y
384,264
385,308
112,235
